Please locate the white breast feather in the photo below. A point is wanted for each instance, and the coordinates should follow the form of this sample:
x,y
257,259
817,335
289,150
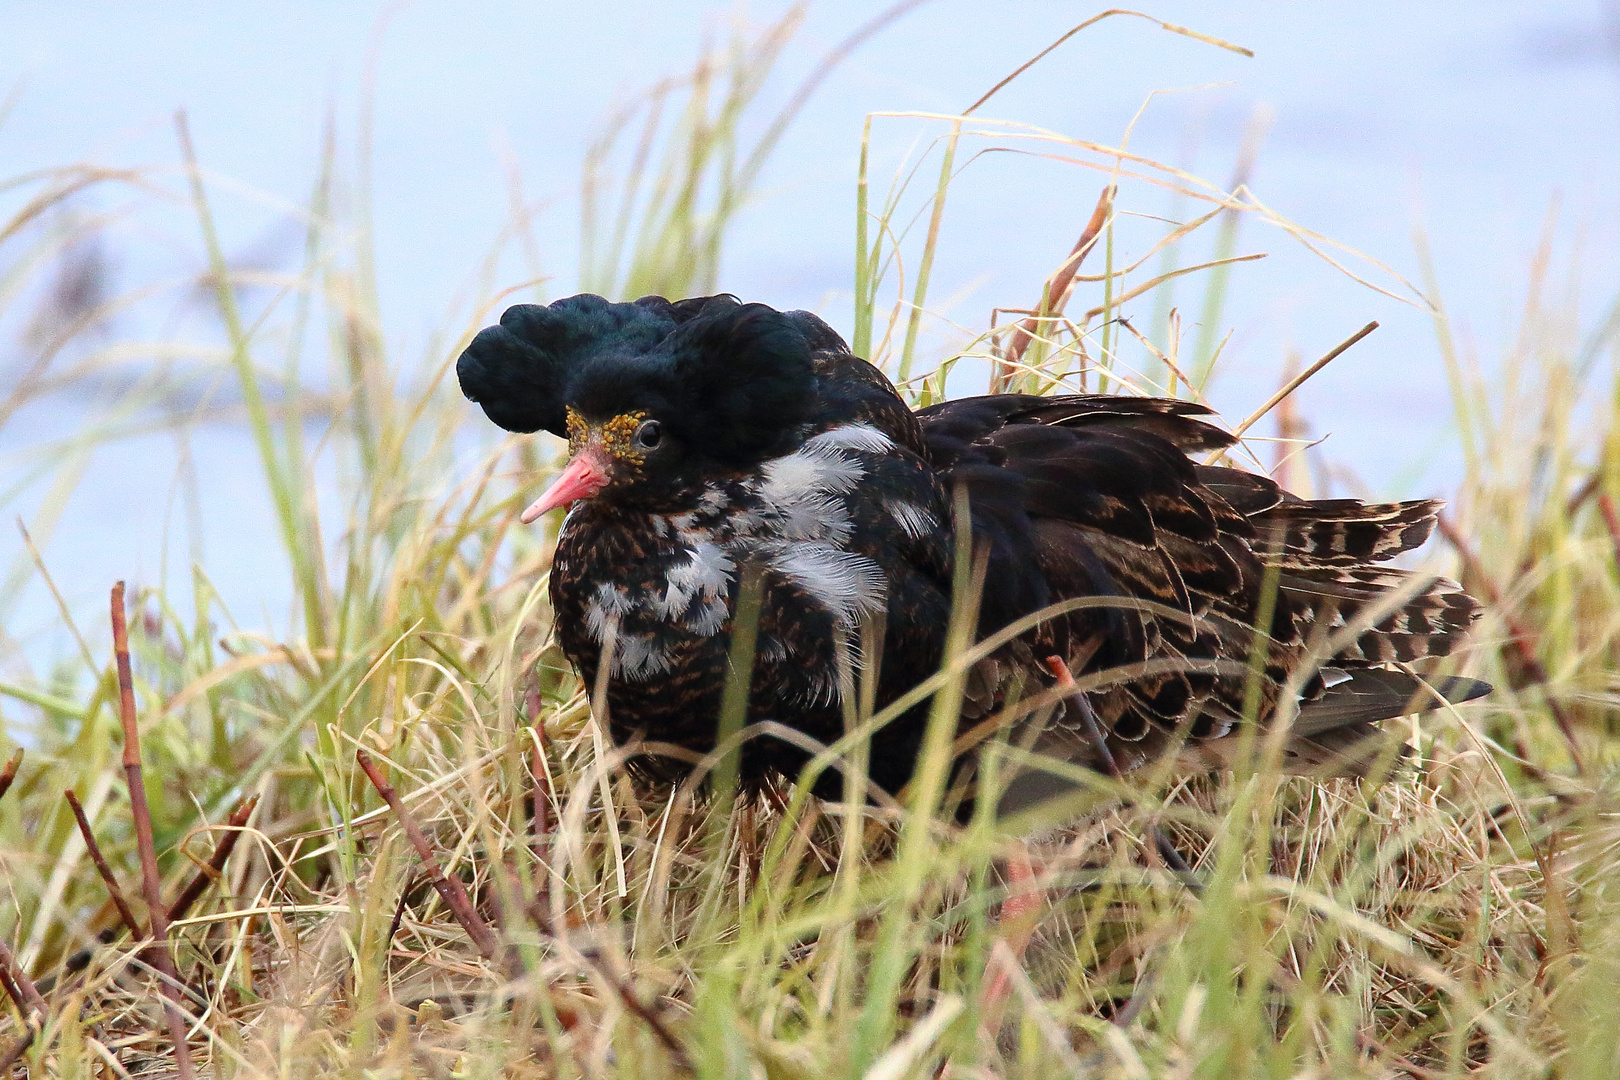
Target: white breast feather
x,y
915,521
852,437
605,610
638,658
635,656
706,577
814,470
849,585
800,528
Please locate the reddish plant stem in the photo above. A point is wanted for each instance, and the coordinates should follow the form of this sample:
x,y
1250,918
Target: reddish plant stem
x,y
1019,913
1522,639
151,884
1025,897
11,990
1054,299
182,904
1582,493
20,1047
1611,521
206,876
1094,733
455,897
9,773
117,894
22,989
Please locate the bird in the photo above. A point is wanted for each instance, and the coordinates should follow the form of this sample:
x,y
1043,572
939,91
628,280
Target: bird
x,y
711,439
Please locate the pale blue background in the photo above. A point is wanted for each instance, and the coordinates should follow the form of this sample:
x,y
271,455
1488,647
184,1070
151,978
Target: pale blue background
x,y
1467,115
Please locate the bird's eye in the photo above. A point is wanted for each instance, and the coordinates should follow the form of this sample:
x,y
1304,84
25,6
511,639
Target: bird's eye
x,y
649,435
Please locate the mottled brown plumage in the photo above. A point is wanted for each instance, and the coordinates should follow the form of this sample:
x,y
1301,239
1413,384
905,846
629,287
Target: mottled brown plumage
x,y
1117,508
709,435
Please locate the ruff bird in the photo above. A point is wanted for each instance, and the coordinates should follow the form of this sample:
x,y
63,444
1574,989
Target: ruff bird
x,y
707,436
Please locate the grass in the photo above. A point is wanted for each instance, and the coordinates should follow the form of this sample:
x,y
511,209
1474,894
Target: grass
x,y
1459,921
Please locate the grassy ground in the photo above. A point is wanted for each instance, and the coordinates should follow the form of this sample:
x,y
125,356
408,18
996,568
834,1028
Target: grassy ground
x,y
1458,921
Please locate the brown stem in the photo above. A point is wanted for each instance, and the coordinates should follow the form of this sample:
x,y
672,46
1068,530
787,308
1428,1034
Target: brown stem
x,y
18,1049
1056,290
652,1015
1522,639
654,1020
22,988
455,897
151,884
1582,493
399,912
1099,742
1611,521
182,904
117,894
9,773
1141,994
206,876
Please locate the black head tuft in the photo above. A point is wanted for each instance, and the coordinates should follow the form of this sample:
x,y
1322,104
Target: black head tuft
x,y
733,380
745,378
519,371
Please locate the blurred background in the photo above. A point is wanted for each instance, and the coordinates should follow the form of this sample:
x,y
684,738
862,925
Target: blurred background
x,y
1488,131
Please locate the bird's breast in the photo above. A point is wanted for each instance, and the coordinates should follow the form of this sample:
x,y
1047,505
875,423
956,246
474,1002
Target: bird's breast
x,y
656,591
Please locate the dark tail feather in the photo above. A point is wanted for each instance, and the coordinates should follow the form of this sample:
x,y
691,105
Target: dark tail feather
x,y
1375,694
1344,532
1338,734
1429,624
1244,492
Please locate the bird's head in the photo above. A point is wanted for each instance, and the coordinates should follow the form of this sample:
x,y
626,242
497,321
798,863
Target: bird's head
x,y
652,396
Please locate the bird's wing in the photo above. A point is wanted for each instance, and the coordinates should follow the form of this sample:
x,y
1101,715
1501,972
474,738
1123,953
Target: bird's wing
x,y
1095,496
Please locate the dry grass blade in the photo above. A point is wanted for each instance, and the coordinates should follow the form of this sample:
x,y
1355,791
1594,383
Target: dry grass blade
x,y
151,884
1297,381
539,802
1038,57
1522,639
455,896
807,89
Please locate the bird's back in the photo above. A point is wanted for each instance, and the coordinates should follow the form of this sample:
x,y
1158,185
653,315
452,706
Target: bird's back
x,y
1099,496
